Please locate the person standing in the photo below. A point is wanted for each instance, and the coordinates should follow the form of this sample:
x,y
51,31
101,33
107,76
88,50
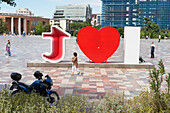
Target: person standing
x,y
23,33
75,64
146,37
8,47
152,49
159,38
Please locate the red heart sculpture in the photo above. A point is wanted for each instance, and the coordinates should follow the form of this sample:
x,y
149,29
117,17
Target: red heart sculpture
x,y
98,45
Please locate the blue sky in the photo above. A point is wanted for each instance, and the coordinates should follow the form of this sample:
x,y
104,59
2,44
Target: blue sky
x,y
46,8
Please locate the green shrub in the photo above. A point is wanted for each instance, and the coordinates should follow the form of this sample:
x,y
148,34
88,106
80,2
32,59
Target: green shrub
x,y
72,104
111,104
146,102
143,103
22,103
34,103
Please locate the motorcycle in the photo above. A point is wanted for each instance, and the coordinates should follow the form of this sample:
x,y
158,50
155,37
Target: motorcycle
x,y
39,86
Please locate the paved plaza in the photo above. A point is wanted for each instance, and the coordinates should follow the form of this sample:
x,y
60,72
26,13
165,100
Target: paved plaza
x,y
94,82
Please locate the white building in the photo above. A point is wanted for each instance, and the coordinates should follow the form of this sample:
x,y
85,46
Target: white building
x,y
96,19
24,11
73,12
63,23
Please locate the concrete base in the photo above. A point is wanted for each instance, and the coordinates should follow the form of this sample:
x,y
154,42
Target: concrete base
x,y
145,65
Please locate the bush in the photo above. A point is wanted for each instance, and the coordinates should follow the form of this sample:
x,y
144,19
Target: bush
x,y
34,103
21,103
111,104
72,104
147,102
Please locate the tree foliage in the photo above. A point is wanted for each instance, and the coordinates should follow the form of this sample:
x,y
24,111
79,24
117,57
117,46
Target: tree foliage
x,y
39,28
10,2
47,28
168,34
3,27
149,28
98,27
76,27
121,31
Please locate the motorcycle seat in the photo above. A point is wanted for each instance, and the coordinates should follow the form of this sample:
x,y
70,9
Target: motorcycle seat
x,y
25,85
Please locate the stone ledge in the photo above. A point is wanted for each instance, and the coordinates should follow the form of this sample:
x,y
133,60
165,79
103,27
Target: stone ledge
x,y
68,64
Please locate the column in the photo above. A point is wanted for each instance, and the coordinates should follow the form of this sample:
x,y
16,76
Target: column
x,y
131,45
19,26
25,25
12,25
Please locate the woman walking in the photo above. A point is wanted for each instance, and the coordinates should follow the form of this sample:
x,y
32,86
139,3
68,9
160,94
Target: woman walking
x,y
8,46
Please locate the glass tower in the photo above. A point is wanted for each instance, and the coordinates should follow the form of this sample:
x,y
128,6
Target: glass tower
x,y
131,12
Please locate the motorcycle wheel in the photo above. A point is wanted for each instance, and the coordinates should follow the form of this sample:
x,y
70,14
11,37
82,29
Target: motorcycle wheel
x,y
53,98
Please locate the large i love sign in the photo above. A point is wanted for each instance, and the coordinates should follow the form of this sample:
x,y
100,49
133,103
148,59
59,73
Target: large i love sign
x,y
97,45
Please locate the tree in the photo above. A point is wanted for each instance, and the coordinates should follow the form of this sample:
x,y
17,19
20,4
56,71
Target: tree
x,y
10,2
88,21
146,25
155,30
121,31
168,34
47,28
76,27
149,28
39,28
98,27
163,34
3,27
146,21
142,34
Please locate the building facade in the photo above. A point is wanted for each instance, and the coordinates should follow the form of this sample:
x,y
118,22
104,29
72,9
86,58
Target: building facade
x,y
63,23
131,12
24,11
73,12
156,10
18,23
99,19
96,19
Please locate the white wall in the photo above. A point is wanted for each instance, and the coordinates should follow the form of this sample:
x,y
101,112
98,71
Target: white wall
x,y
63,24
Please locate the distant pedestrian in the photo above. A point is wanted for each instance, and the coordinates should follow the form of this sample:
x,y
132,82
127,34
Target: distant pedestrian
x,y
75,64
8,47
23,33
149,37
159,38
146,37
152,49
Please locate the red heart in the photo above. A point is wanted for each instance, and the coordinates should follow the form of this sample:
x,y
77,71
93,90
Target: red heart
x,y
98,45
